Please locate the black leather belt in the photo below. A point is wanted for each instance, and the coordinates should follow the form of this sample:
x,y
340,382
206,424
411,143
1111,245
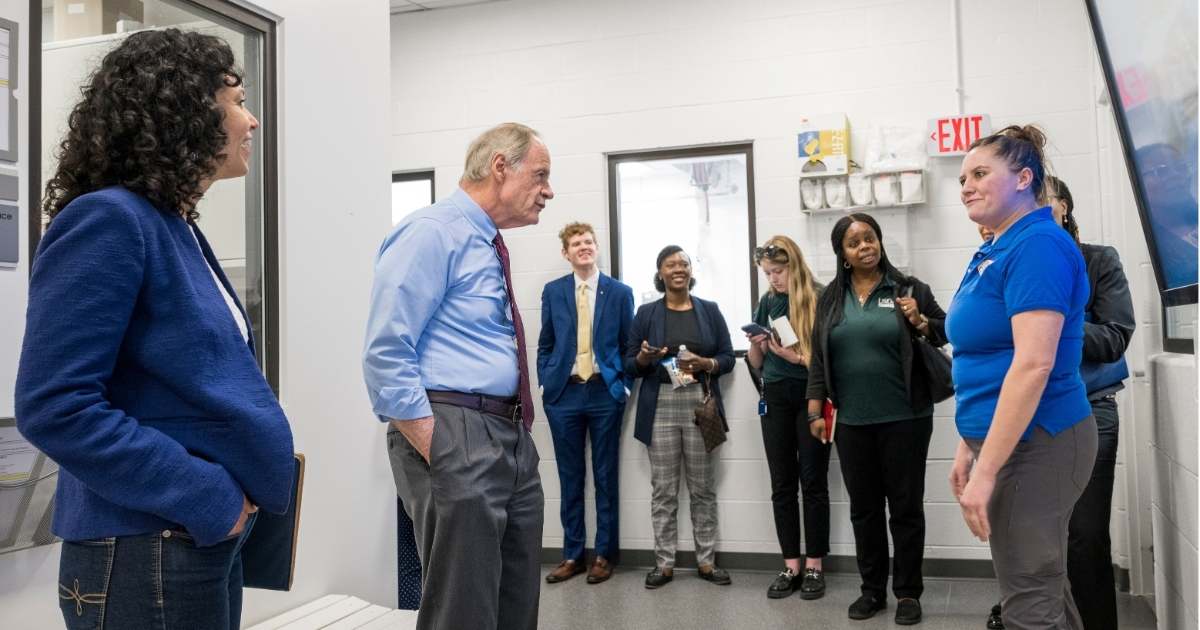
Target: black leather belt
x,y
578,380
495,405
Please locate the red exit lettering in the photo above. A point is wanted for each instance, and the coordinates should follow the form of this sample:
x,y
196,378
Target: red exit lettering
x,y
954,135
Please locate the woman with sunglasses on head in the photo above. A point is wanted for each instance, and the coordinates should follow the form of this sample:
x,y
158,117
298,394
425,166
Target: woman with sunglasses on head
x,y
1107,329
665,420
1017,326
798,462
863,360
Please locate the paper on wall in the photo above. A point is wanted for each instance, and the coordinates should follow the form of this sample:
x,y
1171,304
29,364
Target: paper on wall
x,y
787,336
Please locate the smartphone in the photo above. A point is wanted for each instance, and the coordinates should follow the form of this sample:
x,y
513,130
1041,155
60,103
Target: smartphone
x,y
653,348
755,329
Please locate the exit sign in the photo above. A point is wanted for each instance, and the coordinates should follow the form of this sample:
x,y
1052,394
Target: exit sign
x,y
954,135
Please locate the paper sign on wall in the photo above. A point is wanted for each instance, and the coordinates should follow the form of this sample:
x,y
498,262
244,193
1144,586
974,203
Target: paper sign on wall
x,y
953,135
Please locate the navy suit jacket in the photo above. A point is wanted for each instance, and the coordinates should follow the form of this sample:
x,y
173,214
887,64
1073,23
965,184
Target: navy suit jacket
x,y
557,344
650,325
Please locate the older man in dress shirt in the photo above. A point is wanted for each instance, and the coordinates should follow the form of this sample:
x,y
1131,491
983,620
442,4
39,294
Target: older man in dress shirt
x,y
445,364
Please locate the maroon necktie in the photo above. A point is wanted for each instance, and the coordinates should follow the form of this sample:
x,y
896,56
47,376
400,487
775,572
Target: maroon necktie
x,y
522,359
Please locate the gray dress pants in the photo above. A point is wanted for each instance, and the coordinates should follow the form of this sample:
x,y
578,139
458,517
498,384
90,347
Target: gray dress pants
x,y
477,516
1035,492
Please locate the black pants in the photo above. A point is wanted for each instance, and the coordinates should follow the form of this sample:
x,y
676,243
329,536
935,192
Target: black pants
x,y
1089,549
797,461
883,466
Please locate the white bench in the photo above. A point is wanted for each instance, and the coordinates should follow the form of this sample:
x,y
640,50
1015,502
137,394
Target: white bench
x,y
341,612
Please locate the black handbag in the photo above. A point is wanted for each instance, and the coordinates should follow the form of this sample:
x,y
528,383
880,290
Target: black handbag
x,y
936,363
937,369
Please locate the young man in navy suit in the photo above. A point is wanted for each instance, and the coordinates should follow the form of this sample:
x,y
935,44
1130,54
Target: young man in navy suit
x,y
585,322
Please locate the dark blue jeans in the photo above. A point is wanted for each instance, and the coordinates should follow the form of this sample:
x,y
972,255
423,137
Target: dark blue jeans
x,y
157,580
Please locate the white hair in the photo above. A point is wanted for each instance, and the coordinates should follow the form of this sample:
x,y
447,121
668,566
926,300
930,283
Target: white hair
x,y
512,140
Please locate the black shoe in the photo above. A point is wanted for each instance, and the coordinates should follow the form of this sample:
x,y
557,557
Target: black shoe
x,y
994,620
783,585
657,579
720,577
866,607
908,612
813,586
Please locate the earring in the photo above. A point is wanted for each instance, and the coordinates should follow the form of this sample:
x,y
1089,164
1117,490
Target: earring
x,y
846,264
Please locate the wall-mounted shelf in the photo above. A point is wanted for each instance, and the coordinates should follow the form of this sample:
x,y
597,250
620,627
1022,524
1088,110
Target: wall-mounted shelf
x,y
842,193
899,191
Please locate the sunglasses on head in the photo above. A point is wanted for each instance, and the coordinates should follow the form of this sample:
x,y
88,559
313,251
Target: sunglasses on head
x,y
770,251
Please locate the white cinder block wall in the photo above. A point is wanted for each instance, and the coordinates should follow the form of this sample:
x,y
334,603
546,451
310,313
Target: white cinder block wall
x,y
624,75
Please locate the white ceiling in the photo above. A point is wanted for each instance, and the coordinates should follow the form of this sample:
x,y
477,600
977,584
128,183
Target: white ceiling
x,y
408,6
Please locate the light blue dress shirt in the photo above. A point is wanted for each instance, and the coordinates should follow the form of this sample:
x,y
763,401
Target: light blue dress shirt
x,y
440,316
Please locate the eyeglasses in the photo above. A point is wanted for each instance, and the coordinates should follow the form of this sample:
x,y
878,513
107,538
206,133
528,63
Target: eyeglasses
x,y
770,251
1163,171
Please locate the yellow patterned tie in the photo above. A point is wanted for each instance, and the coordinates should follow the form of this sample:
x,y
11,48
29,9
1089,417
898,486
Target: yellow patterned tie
x,y
584,340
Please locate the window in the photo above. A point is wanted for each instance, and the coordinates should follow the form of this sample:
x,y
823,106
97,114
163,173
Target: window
x,y
699,198
239,217
411,191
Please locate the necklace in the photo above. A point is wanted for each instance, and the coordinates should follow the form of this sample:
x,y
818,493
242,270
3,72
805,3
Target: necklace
x,y
862,296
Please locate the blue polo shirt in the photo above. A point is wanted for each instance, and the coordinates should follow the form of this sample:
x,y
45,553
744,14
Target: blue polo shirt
x,y
1034,265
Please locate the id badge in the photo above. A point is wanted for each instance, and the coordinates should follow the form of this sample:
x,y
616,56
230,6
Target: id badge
x,y
762,407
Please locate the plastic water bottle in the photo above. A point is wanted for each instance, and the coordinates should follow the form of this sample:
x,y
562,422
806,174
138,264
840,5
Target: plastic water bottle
x,y
683,352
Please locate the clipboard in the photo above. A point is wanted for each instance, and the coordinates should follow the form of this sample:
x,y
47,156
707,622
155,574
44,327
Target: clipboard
x,y
269,552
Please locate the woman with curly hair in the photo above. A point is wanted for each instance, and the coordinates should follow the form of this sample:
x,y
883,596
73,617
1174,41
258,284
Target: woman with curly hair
x,y
137,373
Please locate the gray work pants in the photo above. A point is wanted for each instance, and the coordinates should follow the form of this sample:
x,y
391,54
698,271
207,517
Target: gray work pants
x,y
477,516
1030,508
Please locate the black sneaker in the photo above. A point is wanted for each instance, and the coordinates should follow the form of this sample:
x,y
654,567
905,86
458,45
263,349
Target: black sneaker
x,y
657,579
866,607
783,586
908,612
813,586
994,620
720,577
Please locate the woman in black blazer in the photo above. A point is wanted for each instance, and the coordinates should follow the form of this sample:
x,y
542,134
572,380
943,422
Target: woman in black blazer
x,y
665,422
864,361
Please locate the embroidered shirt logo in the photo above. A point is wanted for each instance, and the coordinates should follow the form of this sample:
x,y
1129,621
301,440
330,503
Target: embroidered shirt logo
x,y
984,265
886,303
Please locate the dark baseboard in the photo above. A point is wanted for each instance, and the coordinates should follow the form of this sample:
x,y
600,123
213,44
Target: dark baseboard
x,y
844,565
743,561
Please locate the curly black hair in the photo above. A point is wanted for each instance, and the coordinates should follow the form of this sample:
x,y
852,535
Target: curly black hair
x,y
148,120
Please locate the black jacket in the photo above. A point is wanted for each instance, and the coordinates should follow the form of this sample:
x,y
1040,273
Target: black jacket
x,y
820,365
650,325
1107,336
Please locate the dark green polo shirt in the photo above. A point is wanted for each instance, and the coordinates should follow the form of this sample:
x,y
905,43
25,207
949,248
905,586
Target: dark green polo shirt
x,y
865,353
775,367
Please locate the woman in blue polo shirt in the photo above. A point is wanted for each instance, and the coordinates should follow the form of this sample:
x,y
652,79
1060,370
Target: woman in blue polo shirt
x,y
1016,325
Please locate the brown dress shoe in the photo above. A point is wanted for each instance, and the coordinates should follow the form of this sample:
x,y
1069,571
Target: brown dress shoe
x,y
601,570
565,571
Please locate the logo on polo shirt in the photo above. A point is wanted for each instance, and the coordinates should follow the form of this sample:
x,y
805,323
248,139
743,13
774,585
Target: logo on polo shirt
x,y
886,303
984,265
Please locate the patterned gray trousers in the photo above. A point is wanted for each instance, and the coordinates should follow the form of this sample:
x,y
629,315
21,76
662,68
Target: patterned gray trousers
x,y
676,437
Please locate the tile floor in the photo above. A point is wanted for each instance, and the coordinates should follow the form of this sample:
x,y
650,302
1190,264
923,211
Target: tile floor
x,y
691,603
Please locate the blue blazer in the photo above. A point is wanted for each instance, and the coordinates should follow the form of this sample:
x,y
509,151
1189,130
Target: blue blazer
x,y
135,379
557,344
650,325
